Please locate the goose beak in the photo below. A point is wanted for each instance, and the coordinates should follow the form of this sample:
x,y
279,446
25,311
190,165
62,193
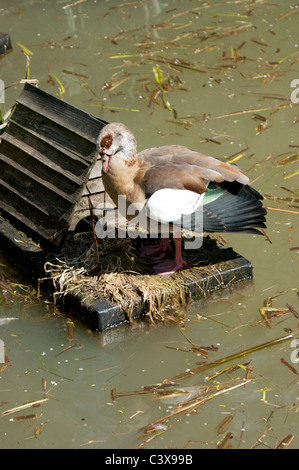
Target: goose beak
x,y
106,159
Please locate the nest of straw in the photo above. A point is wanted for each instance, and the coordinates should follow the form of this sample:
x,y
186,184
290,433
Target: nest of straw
x,y
111,269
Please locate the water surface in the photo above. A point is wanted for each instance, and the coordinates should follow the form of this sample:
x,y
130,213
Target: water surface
x,y
228,67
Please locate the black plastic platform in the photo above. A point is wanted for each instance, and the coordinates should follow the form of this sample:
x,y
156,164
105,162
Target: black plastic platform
x,y
102,314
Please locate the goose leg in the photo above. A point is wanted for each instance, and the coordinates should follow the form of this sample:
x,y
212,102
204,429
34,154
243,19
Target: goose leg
x,y
171,266
155,252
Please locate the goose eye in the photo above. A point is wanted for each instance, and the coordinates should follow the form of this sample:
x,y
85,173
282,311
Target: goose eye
x,y
106,141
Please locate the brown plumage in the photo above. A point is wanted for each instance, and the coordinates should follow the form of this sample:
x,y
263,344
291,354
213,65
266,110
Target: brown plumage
x,y
162,178
180,168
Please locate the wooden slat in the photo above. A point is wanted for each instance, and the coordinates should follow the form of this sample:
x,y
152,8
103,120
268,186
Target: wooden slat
x,y
70,164
94,186
41,192
96,169
32,206
7,187
29,160
54,133
50,227
74,158
64,114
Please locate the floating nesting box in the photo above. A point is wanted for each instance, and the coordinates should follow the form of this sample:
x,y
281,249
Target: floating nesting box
x,y
46,157
50,177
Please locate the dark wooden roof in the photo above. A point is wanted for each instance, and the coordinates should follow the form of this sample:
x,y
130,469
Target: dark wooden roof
x,y
46,155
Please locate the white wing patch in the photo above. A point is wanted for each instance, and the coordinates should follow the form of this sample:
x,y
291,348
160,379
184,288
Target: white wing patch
x,y
168,205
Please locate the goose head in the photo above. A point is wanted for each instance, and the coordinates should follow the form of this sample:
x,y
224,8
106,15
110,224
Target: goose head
x,y
117,146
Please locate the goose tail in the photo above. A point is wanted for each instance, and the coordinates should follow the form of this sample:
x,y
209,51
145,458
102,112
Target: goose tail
x,y
236,209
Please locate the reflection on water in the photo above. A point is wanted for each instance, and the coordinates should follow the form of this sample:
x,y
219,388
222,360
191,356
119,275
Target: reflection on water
x,y
227,70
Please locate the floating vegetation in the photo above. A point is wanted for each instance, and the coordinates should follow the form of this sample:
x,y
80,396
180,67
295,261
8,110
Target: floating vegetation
x,y
164,86
187,399
12,292
270,313
61,88
4,119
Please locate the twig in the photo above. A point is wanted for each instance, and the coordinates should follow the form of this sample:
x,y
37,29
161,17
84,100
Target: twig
x,y
232,357
281,210
25,406
93,228
257,110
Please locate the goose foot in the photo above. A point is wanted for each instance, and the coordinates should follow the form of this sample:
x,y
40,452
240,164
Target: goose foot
x,y
168,267
155,252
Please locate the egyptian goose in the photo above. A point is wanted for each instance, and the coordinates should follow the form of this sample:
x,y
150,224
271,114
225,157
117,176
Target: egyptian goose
x,y
172,181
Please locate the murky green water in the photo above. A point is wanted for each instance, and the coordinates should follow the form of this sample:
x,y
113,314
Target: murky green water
x,y
221,58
